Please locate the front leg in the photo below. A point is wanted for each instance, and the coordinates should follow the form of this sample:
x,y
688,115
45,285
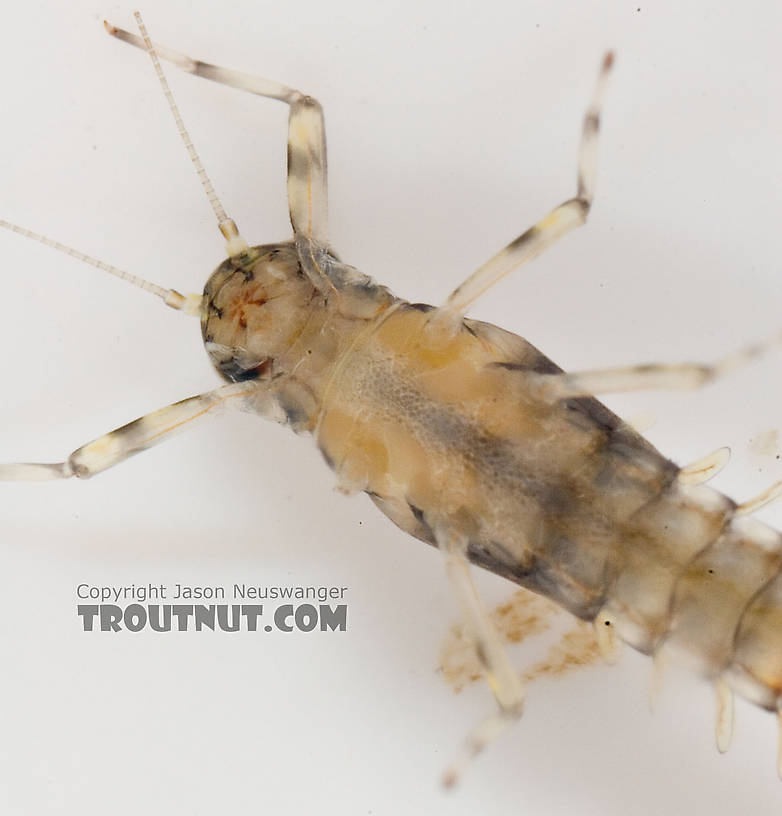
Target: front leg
x,y
307,171
145,432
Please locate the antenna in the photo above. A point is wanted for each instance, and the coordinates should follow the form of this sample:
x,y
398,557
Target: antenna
x,y
234,242
189,304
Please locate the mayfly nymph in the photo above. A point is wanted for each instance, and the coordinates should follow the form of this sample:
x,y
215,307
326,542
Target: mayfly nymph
x,y
469,438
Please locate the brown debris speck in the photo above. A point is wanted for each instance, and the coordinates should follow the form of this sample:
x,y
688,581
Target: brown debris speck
x,y
522,616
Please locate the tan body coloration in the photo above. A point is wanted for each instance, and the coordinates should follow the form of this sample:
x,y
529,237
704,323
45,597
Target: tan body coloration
x,y
469,438
444,427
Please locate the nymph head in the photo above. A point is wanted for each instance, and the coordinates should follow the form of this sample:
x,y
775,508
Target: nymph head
x,y
255,306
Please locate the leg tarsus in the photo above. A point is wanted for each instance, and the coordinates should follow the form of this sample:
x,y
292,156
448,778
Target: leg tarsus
x,y
502,679
224,76
553,387
307,164
35,471
136,436
558,222
769,495
485,733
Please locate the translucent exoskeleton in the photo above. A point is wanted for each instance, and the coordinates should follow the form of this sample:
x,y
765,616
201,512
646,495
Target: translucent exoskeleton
x,y
470,439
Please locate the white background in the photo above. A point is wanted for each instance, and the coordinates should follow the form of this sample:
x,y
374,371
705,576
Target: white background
x,y
452,127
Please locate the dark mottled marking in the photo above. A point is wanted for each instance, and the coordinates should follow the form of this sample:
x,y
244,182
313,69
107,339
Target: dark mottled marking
x,y
545,579
295,414
596,414
583,204
417,512
490,552
480,653
426,529
300,158
588,413
404,520
297,400
420,307
366,285
582,573
540,364
500,562
555,501
592,122
524,238
498,460
236,372
328,460
554,566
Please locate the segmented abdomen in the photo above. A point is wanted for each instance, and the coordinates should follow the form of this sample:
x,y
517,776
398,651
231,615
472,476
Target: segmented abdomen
x,y
703,583
561,497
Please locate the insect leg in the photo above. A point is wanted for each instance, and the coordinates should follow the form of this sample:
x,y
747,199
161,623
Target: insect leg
x,y
769,495
307,174
136,436
502,679
646,377
568,215
522,616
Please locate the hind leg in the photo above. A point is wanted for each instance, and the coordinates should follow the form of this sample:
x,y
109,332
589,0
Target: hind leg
x,y
492,656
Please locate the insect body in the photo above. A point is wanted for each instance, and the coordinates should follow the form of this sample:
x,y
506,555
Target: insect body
x,y
470,439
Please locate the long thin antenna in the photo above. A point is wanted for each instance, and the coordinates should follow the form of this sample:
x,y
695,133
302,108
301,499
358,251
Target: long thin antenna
x,y
190,304
235,243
